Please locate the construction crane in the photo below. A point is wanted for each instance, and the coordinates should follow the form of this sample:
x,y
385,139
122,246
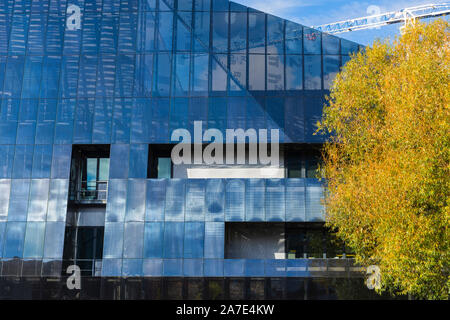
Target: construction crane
x,y
407,16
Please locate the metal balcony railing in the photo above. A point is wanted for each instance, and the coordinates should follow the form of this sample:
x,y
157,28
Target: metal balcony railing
x,y
94,191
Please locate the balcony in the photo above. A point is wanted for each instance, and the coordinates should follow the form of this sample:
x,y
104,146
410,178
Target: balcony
x,y
90,192
89,174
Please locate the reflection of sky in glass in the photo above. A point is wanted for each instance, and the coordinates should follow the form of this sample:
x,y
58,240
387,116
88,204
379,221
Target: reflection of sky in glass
x,y
34,240
5,188
238,69
220,31
330,69
238,32
256,72
14,238
312,72
200,83
275,72
121,77
219,76
38,199
165,30
256,32
275,35
182,74
294,65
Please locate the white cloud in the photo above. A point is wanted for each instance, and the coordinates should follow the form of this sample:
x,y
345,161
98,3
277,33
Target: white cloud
x,y
350,10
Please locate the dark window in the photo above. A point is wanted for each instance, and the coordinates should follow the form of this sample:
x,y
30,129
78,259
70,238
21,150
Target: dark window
x,y
195,289
89,173
84,243
296,242
255,240
269,240
173,289
152,288
91,288
159,161
82,247
319,289
302,161
90,243
236,289
315,239
111,289
256,289
133,289
312,240
276,288
215,289
295,289
311,166
293,166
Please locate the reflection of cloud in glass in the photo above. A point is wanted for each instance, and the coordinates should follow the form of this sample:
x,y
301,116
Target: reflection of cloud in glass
x,y
219,76
330,69
256,36
200,74
256,72
275,73
312,83
328,79
238,69
238,32
294,65
313,72
182,74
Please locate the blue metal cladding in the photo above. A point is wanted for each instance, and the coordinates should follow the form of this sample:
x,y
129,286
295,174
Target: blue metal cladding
x,y
137,52
133,71
183,230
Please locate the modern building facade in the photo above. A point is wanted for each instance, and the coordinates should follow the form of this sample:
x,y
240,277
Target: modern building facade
x,y
90,94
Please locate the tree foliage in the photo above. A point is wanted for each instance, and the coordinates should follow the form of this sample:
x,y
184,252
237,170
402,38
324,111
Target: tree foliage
x,y
387,161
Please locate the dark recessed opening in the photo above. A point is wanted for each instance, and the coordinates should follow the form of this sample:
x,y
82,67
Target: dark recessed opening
x,y
83,246
89,174
301,161
159,161
279,240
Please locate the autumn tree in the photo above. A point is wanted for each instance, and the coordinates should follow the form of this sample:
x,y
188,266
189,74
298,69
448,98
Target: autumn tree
x,y
387,160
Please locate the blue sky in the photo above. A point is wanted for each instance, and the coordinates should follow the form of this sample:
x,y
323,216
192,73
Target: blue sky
x,y
317,12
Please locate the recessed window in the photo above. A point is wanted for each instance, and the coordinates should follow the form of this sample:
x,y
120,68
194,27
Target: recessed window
x,y
159,161
277,240
89,173
301,162
255,240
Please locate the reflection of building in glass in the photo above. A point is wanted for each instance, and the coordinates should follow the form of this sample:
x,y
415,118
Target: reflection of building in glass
x,y
85,173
